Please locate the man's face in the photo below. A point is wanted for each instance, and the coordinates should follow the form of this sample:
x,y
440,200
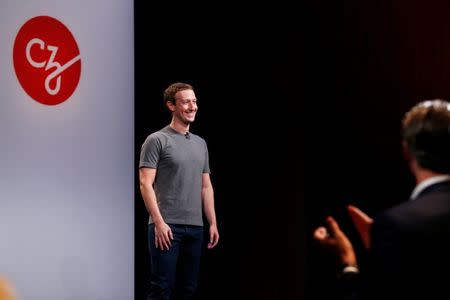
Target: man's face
x,y
185,106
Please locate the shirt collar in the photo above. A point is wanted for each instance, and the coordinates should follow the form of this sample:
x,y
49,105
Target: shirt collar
x,y
426,183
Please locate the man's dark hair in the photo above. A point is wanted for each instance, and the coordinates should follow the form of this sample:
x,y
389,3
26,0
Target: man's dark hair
x,y
170,92
426,131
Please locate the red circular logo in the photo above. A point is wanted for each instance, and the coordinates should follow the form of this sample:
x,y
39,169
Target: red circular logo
x,y
47,60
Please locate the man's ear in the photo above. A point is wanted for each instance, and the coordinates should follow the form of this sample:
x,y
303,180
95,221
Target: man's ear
x,y
170,105
405,151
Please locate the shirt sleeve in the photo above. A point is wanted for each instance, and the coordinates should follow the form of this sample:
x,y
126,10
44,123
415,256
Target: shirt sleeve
x,y
206,165
150,152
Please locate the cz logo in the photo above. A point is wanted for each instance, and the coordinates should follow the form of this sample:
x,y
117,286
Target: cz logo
x,y
47,60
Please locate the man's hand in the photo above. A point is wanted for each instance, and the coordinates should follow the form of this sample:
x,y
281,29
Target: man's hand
x,y
362,222
163,236
337,241
213,236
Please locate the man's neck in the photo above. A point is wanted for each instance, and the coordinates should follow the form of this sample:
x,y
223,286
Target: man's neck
x,y
425,178
180,127
424,174
421,174
427,181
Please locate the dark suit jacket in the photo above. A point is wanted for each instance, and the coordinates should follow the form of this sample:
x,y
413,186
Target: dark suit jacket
x,y
410,252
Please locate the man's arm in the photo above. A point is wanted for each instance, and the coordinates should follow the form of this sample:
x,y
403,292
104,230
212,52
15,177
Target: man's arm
x,y
333,238
208,207
163,233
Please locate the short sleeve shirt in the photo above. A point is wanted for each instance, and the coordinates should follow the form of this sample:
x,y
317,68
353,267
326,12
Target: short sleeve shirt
x,y
180,162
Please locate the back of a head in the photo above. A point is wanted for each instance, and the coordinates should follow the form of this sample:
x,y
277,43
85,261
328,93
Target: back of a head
x,y
426,131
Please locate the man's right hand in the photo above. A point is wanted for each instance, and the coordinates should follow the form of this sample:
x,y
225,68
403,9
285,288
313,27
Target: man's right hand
x,y
163,236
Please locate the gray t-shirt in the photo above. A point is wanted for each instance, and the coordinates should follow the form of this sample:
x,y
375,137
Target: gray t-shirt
x,y
180,161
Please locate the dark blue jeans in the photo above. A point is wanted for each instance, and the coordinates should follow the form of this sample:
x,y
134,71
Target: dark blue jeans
x,y
174,272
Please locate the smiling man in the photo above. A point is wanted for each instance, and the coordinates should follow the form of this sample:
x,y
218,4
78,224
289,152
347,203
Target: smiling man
x,y
175,185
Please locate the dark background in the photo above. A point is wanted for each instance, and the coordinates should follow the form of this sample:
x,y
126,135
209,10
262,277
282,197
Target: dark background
x,y
300,106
